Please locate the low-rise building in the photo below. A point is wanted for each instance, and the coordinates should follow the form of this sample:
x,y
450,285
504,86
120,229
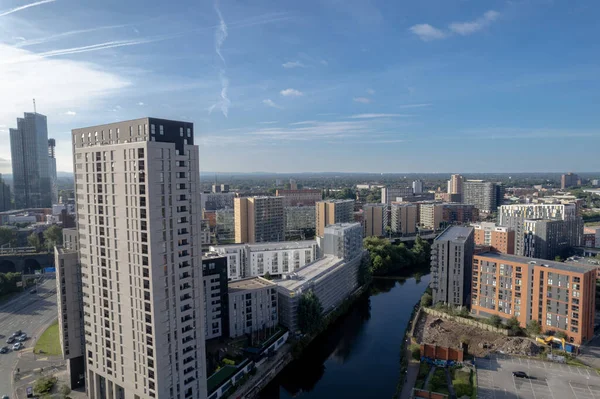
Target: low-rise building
x,y
252,306
216,296
498,238
559,296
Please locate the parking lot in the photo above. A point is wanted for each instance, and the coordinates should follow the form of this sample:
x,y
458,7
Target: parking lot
x,y
548,380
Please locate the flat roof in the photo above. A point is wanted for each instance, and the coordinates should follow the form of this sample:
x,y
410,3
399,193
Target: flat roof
x,y
272,245
252,283
455,233
309,272
566,266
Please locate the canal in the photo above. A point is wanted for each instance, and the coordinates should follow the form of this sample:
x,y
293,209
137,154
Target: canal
x,y
359,357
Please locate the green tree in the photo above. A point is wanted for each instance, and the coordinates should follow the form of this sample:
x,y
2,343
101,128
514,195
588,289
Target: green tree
x,y
561,335
310,312
44,385
267,275
6,236
494,320
53,236
533,327
557,258
33,240
426,300
514,326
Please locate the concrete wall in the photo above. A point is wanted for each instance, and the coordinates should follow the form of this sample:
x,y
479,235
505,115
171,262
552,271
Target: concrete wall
x,y
468,322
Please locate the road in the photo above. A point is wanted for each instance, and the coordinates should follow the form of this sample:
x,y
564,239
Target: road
x,y
29,313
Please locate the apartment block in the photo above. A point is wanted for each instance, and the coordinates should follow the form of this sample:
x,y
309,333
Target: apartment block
x,y
225,225
451,261
138,211
305,197
389,194
216,201
498,238
299,219
455,184
252,306
216,296
404,218
342,240
560,296
431,215
569,180
70,307
447,197
591,237
417,186
375,220
482,194
5,196
459,213
544,239
259,219
275,258
331,212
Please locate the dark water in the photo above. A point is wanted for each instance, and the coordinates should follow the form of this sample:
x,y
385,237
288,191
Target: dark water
x,y
359,357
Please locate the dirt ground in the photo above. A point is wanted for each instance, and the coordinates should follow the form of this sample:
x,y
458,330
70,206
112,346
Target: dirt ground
x,y
433,330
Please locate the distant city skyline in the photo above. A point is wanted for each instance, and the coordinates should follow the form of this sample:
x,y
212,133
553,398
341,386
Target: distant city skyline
x,y
313,86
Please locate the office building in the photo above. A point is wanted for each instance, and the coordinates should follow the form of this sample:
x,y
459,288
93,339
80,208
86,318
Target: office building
x,y
482,194
455,184
5,196
498,238
29,155
225,225
252,306
52,170
391,194
216,201
137,191
404,218
293,184
451,260
274,258
514,216
70,307
216,296
417,186
299,221
259,219
459,214
375,220
431,215
332,278
543,238
305,197
331,212
569,180
560,296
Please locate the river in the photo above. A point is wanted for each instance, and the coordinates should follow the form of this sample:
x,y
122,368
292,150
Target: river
x,y
359,357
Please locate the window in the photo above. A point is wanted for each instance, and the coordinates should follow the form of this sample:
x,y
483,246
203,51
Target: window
x,y
161,130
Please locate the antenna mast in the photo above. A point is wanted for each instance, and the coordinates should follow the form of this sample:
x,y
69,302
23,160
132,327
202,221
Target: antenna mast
x,y
34,108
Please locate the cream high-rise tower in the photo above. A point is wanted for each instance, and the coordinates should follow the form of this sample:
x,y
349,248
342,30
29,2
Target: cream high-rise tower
x,y
138,211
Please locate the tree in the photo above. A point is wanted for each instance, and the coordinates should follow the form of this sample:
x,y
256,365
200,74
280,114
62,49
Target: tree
x,y
267,275
53,236
561,335
557,258
310,313
33,240
44,385
495,320
514,326
6,236
426,300
533,327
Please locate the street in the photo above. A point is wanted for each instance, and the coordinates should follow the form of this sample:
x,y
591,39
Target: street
x,y
30,313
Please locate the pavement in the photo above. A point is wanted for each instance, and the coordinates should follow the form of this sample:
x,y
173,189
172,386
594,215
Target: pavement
x,y
412,372
590,353
550,380
31,313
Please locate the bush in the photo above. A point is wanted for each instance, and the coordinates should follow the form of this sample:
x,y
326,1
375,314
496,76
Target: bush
x,y
514,326
44,385
229,362
426,300
415,351
495,320
64,389
533,327
463,389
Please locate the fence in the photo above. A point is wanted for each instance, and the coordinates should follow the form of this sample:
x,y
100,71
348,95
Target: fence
x,y
422,394
468,322
441,353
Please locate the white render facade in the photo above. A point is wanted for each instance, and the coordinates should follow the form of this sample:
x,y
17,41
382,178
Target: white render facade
x,y
275,258
138,211
252,306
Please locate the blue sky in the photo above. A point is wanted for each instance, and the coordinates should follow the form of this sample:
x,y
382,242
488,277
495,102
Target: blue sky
x,y
331,85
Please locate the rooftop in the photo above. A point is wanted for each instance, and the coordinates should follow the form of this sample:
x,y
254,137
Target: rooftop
x,y
455,233
337,201
252,283
269,246
309,272
572,266
340,226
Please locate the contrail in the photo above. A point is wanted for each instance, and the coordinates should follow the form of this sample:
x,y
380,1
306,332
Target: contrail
x,y
221,32
225,102
17,9
220,36
59,36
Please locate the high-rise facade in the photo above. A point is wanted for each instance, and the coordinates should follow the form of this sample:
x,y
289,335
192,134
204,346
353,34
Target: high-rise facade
x,y
390,194
498,238
569,180
29,154
451,260
298,220
482,194
543,238
259,219
560,296
52,170
404,218
137,193
417,186
5,196
431,215
216,298
459,213
331,212
305,197
375,220
455,184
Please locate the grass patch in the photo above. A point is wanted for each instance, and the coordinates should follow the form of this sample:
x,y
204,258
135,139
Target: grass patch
x,y
424,369
49,342
462,382
474,380
215,380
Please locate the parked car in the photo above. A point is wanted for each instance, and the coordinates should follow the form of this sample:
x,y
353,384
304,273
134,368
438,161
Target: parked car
x,y
520,374
10,340
22,338
4,349
17,333
17,346
4,396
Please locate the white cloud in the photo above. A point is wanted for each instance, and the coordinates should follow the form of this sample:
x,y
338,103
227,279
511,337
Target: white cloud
x,y
363,100
141,104
373,116
271,103
427,32
467,28
293,64
23,7
291,93
370,91
71,113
